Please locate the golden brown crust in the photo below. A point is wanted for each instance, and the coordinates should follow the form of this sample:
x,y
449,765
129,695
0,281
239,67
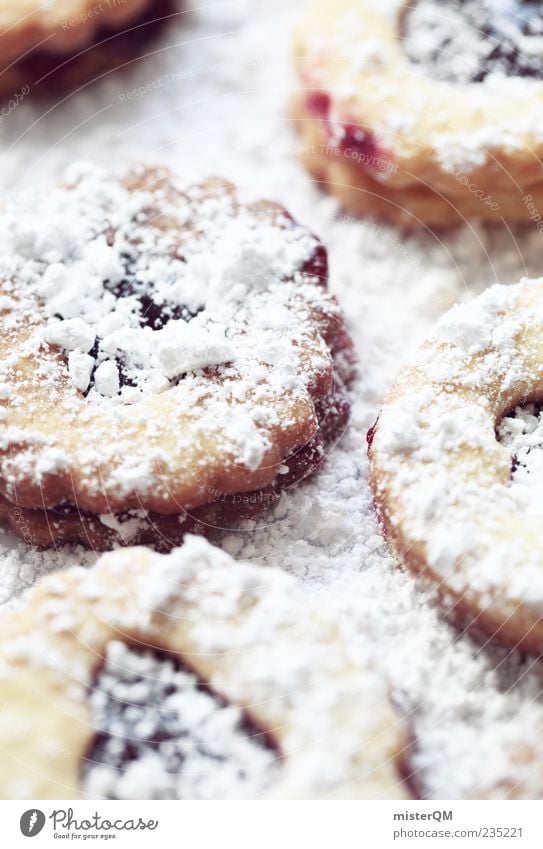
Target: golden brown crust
x,y
328,708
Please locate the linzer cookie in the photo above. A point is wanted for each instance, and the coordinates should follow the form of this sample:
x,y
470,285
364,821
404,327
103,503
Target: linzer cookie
x,y
425,114
456,463
170,358
174,676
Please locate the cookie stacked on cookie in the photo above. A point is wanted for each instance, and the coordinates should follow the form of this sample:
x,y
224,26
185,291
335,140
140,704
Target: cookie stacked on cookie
x,y
170,359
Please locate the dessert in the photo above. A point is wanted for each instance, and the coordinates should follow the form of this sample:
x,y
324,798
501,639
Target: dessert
x,y
168,356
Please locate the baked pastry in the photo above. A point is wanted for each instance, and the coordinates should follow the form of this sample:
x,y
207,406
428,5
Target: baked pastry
x,y
322,726
427,113
524,777
60,45
161,350
456,494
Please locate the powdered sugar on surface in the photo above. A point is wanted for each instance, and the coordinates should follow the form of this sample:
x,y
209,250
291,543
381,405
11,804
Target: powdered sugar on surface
x,y
234,625
218,104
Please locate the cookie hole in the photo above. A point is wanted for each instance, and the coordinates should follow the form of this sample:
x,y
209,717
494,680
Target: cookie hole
x,y
464,41
161,733
51,75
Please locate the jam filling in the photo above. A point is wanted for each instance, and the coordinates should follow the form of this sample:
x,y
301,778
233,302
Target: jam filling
x,y
466,40
317,265
152,313
162,734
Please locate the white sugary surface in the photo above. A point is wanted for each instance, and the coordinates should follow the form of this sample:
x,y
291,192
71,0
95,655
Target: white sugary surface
x,y
206,752
217,103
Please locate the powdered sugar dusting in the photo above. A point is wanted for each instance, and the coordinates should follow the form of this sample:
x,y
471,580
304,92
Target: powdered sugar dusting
x,y
468,705
191,329
235,626
427,82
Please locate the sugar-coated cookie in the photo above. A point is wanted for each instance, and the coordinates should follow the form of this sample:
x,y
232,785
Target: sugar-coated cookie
x,y
424,114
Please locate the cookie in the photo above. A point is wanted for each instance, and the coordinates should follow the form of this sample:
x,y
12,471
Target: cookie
x,y
162,349
179,680
523,777
104,531
424,115
449,473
